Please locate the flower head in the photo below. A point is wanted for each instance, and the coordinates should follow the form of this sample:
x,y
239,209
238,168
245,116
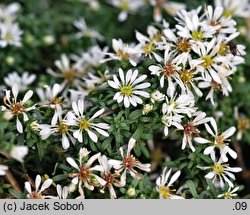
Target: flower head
x,y
129,88
164,184
129,163
85,175
37,193
16,108
82,123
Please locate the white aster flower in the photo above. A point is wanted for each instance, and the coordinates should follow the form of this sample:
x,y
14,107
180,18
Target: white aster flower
x,y
71,76
23,80
85,173
91,58
37,193
61,127
8,12
220,142
229,194
164,184
3,169
14,108
234,8
221,172
168,71
147,45
225,87
123,52
129,163
10,34
50,97
181,46
110,178
209,61
193,28
215,18
129,87
190,129
126,6
180,105
85,124
84,31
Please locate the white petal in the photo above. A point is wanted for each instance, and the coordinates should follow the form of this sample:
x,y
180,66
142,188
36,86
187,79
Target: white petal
x,y
46,184
27,186
38,182
27,96
19,126
92,136
72,162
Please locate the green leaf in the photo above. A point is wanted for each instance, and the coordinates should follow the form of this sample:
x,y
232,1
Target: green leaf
x,y
16,194
192,188
138,132
211,188
135,115
144,150
60,177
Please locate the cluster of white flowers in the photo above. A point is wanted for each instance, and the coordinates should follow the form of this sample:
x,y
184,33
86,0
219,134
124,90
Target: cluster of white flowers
x,y
10,33
199,53
88,175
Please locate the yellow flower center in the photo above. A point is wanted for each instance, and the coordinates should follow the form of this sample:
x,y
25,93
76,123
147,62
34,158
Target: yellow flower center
x,y
208,61
63,128
157,38
8,37
70,75
220,141
124,5
127,90
186,76
227,13
223,49
165,192
228,195
218,168
56,100
84,124
17,108
122,55
148,48
198,35
183,45
243,124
